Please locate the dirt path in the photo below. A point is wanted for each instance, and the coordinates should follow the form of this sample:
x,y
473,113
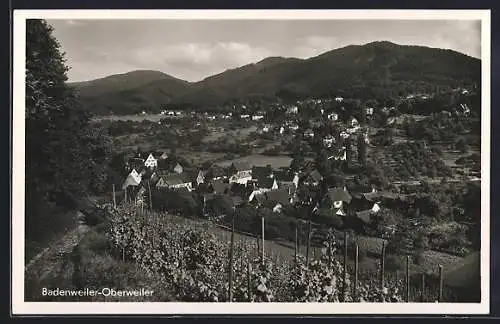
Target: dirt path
x,y
51,265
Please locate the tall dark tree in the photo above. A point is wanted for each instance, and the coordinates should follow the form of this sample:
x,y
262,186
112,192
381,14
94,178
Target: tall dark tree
x,y
64,152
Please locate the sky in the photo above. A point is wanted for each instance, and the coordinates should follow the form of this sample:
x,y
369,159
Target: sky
x,y
195,49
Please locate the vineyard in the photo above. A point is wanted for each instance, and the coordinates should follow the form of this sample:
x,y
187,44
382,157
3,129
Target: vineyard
x,y
195,265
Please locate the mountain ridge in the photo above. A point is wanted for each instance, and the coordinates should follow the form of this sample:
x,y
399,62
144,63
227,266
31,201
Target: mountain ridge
x,y
360,70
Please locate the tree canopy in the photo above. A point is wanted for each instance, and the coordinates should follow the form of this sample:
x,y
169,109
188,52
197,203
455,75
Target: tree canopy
x,y
65,154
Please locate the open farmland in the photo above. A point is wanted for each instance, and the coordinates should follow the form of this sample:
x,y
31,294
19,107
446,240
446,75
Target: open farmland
x,y
260,160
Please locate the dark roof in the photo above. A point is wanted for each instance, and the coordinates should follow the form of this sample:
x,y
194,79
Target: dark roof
x,y
220,186
315,175
265,183
182,189
337,194
173,179
284,176
260,198
278,196
261,172
364,215
241,166
289,187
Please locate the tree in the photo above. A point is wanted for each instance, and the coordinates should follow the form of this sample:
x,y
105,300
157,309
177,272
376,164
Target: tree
x,y
63,150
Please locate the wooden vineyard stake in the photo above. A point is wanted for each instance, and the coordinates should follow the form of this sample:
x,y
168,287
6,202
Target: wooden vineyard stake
x,y
356,269
231,260
407,278
308,242
150,197
344,279
263,249
296,241
440,283
249,282
114,196
382,266
422,295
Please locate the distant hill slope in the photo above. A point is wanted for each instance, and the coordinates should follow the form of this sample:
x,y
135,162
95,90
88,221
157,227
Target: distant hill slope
x,y
363,71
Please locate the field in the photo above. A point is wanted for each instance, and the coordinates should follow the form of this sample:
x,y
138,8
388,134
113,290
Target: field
x,y
239,134
134,118
261,160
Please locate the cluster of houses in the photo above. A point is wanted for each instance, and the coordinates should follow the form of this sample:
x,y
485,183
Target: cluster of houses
x,y
244,184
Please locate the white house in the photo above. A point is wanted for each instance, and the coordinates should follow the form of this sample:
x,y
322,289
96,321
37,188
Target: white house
x,y
257,117
353,123
151,162
344,134
245,116
178,168
292,110
369,111
376,207
339,99
133,179
241,173
282,130
309,133
328,141
333,116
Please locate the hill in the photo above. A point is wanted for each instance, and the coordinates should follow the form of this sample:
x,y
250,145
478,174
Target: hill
x,y
375,69
129,92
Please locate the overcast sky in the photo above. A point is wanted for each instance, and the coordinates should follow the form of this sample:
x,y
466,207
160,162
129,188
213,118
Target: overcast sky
x,y
194,49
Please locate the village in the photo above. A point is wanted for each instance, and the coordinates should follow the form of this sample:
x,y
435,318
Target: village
x,y
329,142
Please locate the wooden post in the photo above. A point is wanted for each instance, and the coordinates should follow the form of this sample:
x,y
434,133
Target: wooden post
x,y
356,269
344,279
114,196
257,241
308,242
440,283
296,241
125,199
263,249
231,260
382,266
150,197
249,282
407,278
422,295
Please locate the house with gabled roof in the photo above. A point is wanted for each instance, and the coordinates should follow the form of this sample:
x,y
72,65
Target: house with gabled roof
x,y
263,185
178,168
151,162
200,177
133,179
173,181
241,172
312,178
220,186
274,200
286,178
338,199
